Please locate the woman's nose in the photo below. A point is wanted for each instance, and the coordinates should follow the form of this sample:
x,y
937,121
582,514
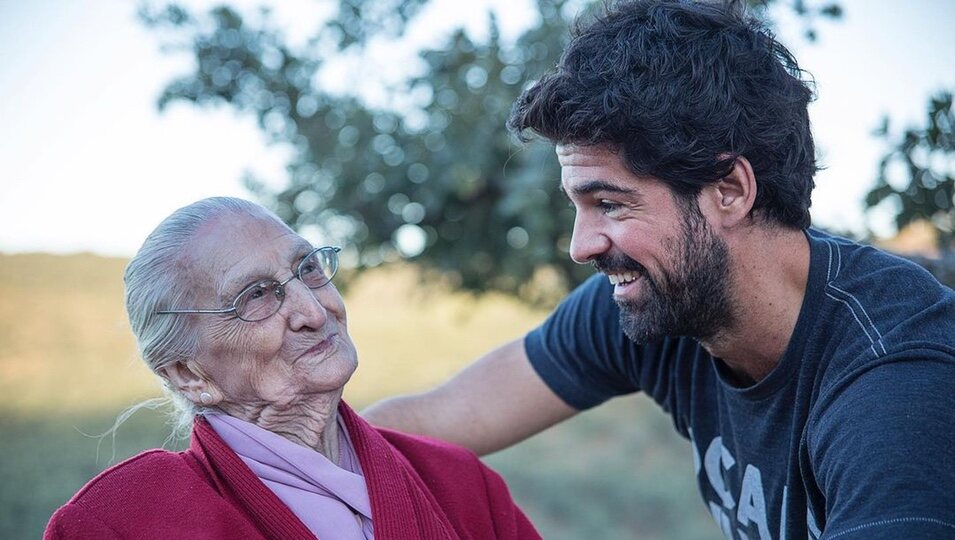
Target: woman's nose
x,y
304,309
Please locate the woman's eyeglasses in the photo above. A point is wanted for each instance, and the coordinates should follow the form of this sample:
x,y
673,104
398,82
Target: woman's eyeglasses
x,y
263,299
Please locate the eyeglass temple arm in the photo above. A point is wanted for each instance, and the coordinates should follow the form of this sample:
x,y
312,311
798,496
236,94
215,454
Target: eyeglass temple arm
x,y
166,311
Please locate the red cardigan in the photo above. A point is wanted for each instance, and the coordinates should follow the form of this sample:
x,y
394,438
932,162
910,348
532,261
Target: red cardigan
x,y
419,489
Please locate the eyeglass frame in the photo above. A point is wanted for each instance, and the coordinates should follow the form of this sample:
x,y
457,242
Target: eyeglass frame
x,y
279,287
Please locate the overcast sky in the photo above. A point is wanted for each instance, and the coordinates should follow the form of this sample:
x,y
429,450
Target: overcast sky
x,y
88,164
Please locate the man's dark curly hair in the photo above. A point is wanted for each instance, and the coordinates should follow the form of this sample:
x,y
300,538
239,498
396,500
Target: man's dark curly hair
x,y
681,89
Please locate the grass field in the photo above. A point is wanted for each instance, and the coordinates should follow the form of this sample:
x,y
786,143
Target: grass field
x,y
68,365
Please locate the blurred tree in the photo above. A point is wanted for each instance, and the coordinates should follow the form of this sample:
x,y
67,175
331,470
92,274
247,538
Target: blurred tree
x,y
437,180
918,173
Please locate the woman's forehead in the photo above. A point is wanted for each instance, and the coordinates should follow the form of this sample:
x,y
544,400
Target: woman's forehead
x,y
233,252
237,232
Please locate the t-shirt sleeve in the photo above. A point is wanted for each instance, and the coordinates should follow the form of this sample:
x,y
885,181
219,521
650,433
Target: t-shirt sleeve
x,y
883,452
580,351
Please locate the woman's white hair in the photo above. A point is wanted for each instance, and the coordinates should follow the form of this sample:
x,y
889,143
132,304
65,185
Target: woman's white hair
x,y
154,281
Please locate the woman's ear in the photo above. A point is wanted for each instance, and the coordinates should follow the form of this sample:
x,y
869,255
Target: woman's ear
x,y
191,384
731,199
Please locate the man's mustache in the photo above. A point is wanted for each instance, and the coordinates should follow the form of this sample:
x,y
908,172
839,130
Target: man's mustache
x,y
617,263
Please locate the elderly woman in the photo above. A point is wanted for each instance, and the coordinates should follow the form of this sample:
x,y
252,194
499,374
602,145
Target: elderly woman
x,y
238,316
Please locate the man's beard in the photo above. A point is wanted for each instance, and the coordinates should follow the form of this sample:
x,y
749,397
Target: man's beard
x,y
691,298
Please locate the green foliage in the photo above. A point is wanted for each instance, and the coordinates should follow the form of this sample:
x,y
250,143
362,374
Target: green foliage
x,y
440,184
926,156
358,21
437,181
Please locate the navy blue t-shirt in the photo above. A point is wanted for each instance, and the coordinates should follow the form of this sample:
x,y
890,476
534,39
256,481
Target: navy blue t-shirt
x,y
851,436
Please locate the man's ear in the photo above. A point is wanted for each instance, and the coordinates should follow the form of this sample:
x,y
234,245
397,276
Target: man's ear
x,y
191,384
731,199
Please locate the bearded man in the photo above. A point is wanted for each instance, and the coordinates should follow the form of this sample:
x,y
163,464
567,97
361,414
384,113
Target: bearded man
x,y
813,376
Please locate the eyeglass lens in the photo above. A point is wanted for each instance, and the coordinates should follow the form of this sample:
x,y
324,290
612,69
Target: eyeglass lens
x,y
264,298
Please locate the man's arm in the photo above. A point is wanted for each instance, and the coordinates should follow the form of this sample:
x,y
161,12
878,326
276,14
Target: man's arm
x,y
495,402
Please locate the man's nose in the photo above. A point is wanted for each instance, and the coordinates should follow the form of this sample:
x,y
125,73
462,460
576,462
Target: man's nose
x,y
587,241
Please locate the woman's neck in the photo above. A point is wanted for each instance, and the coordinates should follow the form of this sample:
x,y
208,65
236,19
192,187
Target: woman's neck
x,y
312,423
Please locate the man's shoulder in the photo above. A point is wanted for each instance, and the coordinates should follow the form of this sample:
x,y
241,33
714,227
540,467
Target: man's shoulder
x,y
869,270
885,295
868,308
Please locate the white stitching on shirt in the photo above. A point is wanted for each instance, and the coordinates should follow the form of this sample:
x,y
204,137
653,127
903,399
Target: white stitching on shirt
x,y
856,317
867,318
838,258
829,267
833,247
892,521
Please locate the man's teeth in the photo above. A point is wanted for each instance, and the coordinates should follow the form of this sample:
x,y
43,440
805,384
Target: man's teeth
x,y
626,277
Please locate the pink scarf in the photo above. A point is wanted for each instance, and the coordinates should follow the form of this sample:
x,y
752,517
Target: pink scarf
x,y
331,500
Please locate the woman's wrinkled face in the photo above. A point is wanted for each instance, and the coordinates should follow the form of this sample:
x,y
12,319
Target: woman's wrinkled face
x,y
285,360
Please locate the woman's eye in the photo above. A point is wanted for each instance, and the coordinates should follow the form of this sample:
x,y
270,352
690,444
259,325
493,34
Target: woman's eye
x,y
256,293
308,268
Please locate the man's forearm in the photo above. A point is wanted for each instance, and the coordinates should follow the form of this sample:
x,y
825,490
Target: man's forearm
x,y
497,401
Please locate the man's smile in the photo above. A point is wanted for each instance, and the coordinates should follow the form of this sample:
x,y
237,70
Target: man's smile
x,y
623,278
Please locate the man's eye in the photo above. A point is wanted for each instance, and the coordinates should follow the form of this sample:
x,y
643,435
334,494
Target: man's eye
x,y
607,206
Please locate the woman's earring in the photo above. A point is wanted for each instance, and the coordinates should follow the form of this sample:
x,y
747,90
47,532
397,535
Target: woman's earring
x,y
205,398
